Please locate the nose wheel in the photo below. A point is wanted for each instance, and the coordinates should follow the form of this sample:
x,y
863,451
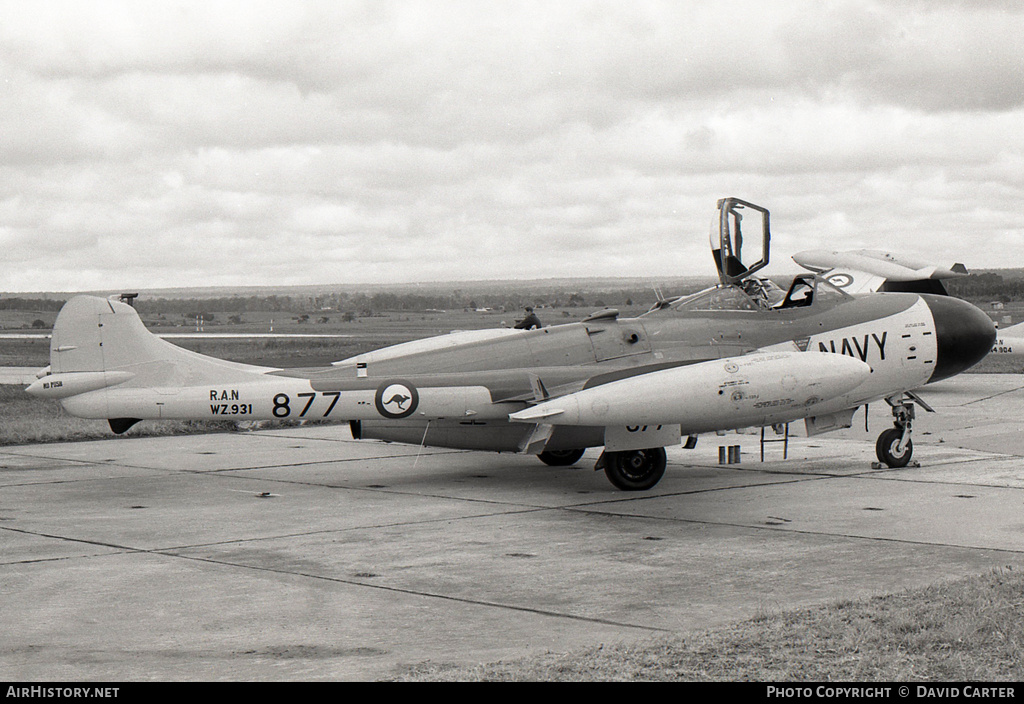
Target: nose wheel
x,y
894,448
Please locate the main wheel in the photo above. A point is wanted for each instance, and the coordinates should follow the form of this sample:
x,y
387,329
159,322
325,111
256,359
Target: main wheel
x,y
635,470
887,448
560,458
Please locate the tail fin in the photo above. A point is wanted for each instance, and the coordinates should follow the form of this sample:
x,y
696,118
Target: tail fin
x,y
98,342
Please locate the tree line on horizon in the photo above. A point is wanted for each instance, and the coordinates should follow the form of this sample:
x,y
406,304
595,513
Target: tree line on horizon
x,y
362,303
985,286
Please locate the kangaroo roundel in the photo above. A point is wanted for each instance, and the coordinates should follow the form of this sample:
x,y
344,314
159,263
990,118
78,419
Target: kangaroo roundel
x,y
397,399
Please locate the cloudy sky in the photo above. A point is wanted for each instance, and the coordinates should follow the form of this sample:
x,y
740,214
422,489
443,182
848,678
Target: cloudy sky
x,y
216,143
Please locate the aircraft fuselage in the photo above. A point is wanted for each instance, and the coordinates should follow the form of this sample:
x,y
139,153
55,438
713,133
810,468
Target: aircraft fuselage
x,y
898,335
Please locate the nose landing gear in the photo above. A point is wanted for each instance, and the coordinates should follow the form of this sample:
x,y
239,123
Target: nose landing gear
x,y
894,447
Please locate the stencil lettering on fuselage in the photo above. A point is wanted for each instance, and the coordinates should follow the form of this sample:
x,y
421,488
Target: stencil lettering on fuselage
x,y
870,344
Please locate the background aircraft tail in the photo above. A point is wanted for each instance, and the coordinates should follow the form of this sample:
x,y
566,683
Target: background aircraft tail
x,y
1012,330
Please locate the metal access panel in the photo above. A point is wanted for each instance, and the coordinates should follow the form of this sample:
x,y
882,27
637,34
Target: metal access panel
x,y
613,340
640,437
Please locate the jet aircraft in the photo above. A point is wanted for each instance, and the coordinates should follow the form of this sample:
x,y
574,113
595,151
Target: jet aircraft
x,y
744,353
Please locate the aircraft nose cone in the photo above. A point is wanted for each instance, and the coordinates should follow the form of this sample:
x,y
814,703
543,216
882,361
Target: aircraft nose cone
x,y
964,335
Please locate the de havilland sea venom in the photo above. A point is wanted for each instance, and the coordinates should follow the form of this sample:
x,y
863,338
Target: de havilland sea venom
x,y
744,353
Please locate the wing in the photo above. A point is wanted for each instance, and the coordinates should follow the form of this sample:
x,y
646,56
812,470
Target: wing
x,y
866,270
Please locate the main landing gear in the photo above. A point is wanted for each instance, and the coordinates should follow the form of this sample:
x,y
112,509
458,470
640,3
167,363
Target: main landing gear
x,y
628,470
894,447
634,470
560,458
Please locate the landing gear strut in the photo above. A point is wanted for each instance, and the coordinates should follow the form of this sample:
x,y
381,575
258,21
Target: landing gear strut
x,y
894,447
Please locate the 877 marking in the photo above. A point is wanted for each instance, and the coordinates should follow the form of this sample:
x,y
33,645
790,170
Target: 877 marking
x,y
283,409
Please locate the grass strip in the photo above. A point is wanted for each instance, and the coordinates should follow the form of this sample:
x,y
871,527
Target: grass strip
x,y
966,630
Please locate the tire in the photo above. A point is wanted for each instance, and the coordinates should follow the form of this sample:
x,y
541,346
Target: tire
x,y
885,449
560,458
635,470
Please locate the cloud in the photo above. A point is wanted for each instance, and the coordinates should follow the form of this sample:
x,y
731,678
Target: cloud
x,y
929,56
186,143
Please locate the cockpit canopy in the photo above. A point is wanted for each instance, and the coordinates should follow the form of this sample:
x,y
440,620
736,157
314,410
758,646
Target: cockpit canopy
x,y
727,234
740,289
756,294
